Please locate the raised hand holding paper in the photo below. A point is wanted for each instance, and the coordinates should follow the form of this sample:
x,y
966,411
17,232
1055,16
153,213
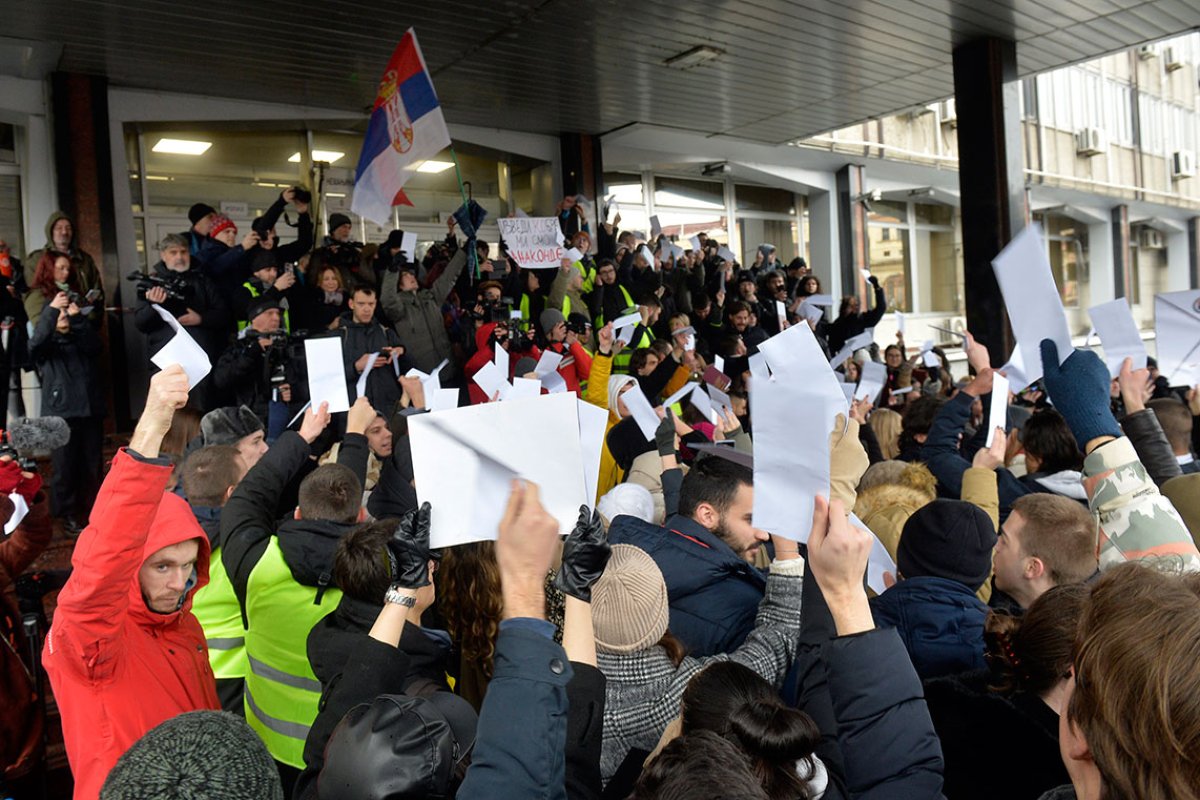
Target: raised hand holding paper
x,y
655,226
998,415
326,375
408,246
874,376
573,255
1118,335
1032,300
641,411
182,349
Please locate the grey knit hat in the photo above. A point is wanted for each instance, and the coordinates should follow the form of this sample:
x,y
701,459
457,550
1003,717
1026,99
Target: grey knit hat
x,y
549,318
201,754
629,602
228,425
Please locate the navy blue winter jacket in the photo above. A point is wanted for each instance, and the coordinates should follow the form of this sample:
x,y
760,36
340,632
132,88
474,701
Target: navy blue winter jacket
x,y
940,622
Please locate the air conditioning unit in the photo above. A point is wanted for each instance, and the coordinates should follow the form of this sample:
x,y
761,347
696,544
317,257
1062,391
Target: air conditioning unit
x,y
948,112
1146,52
1183,164
1171,60
1090,142
1150,239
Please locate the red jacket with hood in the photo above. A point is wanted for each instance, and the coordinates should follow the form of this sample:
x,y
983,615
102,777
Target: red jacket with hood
x,y
117,668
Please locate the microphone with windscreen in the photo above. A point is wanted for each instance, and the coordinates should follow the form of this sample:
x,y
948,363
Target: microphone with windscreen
x,y
30,438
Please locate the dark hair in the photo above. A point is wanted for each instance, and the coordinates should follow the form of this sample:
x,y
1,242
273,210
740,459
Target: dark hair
x,y
712,480
361,565
1176,421
650,300
209,472
701,763
1032,653
736,307
638,359
1048,438
734,701
363,288
185,426
844,306
43,273
331,492
918,419
606,262
701,300
675,649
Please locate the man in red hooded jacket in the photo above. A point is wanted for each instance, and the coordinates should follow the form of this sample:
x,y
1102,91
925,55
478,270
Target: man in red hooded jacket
x,y
124,652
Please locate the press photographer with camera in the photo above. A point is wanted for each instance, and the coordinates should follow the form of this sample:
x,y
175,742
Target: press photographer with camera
x,y
340,250
264,226
493,334
64,348
55,273
257,371
270,282
416,313
187,294
560,337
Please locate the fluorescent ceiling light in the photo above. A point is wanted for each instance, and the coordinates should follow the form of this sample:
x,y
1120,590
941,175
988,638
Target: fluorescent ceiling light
x,y
693,57
181,147
435,166
328,156
157,178
334,194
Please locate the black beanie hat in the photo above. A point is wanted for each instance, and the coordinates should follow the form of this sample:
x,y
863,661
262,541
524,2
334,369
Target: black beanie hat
x,y
199,211
949,539
337,220
209,754
395,239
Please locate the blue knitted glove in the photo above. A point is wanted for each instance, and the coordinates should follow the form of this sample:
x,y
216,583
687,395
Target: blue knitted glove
x,y
1078,388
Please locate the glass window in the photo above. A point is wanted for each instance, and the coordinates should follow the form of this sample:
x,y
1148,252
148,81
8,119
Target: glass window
x,y
764,198
1067,242
933,214
888,211
781,233
625,187
889,259
939,265
8,143
11,225
680,225
688,193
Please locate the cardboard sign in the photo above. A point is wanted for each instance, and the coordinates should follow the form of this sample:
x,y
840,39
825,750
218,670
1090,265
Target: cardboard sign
x,y
533,242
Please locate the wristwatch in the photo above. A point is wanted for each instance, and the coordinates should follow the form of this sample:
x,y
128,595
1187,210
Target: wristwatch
x,y
394,596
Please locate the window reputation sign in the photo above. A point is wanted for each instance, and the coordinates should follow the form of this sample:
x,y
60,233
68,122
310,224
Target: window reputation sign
x,y
533,242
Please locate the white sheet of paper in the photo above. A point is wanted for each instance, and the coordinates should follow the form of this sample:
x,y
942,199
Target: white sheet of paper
x,y
1118,334
627,320
866,274
360,388
758,367
20,509
182,349
719,363
998,415
695,242
408,245
326,374
704,404
931,359
573,254
655,226
524,388
962,337
820,300
809,311
687,389
1177,327
901,390
852,344
641,411
592,422
646,254
1015,370
553,382
870,384
726,253
900,322
793,415
689,344
624,334
441,399
849,389
720,400
1034,306
501,359
490,380
548,363
781,312
464,460
879,560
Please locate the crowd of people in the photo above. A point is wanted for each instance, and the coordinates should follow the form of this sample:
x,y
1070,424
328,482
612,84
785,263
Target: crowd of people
x,y
255,608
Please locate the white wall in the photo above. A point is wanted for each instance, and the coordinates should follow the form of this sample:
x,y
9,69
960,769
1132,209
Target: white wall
x,y
26,104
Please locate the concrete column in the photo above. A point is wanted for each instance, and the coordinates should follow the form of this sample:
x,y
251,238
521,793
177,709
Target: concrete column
x,y
1103,281
1122,255
1179,265
583,169
991,179
823,237
852,229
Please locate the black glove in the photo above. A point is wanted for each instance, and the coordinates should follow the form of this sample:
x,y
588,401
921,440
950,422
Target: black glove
x,y
874,281
585,554
664,435
409,547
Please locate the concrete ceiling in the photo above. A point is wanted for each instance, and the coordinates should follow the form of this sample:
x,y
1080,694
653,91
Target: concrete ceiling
x,y
787,69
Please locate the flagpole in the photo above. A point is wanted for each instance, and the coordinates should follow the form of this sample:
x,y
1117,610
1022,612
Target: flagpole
x,y
463,191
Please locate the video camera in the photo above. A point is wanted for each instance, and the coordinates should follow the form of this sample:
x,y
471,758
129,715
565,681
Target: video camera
x,y
176,286
578,326
7,448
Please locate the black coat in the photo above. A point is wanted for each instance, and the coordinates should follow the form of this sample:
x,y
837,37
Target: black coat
x,y
975,724
67,363
848,326
203,297
383,389
242,375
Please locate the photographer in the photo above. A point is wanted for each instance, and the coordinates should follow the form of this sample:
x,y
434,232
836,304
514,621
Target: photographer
x,y
416,313
491,335
264,226
64,348
267,282
224,259
364,336
256,371
192,299
54,274
341,251
564,340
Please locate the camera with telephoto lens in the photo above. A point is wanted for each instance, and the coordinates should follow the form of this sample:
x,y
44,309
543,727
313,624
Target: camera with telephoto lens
x,y
579,327
176,286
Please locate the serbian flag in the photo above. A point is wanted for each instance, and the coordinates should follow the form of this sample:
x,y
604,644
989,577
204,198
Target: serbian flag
x,y
406,128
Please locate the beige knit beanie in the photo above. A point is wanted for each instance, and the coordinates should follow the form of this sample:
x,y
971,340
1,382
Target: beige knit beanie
x,y
629,602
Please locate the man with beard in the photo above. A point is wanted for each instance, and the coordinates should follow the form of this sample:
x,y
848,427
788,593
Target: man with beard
x,y
706,553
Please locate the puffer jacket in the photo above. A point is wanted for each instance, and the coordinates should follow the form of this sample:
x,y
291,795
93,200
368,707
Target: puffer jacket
x,y
117,668
940,622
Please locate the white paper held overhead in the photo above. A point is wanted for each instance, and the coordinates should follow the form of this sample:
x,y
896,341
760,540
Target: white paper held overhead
x,y
326,375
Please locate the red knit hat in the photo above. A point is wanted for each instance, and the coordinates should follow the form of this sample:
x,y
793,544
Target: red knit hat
x,y
220,223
